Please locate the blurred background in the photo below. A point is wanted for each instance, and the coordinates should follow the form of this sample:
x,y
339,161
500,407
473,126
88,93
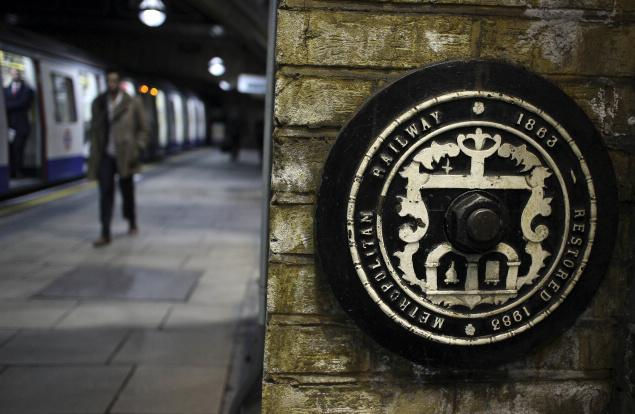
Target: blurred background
x,y
170,320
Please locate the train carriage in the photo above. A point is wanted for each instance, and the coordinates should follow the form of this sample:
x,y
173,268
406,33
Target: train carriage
x,y
64,82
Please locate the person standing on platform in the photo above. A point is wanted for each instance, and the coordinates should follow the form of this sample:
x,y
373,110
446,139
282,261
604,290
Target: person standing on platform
x,y
118,134
18,98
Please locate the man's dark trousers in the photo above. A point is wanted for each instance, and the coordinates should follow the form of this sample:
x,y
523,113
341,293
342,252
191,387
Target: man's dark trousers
x,y
106,179
16,156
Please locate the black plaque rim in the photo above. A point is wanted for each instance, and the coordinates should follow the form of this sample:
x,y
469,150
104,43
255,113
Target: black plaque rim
x,y
333,256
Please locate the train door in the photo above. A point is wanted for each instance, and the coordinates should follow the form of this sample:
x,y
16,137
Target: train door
x,y
21,139
186,121
177,105
64,128
90,86
162,118
191,120
4,148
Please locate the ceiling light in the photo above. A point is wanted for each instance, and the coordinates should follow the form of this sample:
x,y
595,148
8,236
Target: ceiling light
x,y
216,30
152,12
224,85
216,66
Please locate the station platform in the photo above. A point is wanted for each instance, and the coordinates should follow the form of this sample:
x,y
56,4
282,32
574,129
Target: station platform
x,y
147,324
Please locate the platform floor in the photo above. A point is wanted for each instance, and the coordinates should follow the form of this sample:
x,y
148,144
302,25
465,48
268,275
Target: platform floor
x,y
147,324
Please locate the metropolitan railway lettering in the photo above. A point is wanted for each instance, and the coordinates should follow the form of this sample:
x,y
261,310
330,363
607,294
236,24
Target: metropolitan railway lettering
x,y
397,144
376,271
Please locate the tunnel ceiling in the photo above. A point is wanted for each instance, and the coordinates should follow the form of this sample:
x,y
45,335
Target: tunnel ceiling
x,y
179,50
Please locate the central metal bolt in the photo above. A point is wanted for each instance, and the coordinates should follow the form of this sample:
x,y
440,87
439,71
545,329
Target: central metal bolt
x,y
483,225
476,221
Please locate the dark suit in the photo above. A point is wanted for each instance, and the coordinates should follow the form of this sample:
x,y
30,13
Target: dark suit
x,y
18,105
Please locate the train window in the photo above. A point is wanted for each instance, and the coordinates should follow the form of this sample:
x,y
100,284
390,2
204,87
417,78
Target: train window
x,y
162,118
179,121
191,119
64,99
128,87
89,86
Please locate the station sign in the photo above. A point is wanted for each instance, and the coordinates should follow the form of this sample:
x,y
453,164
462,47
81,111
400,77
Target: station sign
x,y
252,84
467,213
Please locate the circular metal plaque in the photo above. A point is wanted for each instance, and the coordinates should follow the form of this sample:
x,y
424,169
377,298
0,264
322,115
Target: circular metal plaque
x,y
466,213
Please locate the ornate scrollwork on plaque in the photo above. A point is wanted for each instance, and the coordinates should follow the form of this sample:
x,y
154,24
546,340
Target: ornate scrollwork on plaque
x,y
413,205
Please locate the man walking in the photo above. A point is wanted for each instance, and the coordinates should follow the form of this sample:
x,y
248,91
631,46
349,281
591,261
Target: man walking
x,y
18,98
119,133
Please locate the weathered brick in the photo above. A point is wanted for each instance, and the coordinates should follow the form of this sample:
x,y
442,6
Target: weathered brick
x,y
291,229
290,36
608,301
378,40
328,399
575,350
428,399
281,197
325,349
565,397
597,346
563,353
606,101
624,253
356,398
585,346
316,102
298,289
576,4
563,45
624,167
608,5
298,162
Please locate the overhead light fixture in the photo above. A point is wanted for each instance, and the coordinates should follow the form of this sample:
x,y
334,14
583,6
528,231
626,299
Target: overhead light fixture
x,y
216,66
216,30
154,91
152,12
224,85
144,89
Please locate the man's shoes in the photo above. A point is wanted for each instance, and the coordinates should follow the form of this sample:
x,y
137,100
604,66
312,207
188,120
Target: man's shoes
x,y
101,242
133,231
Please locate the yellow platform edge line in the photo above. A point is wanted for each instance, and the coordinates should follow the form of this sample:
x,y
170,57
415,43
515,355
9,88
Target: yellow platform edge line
x,y
47,198
56,195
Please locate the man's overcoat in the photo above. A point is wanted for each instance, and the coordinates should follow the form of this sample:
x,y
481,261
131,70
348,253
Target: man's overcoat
x,y
129,130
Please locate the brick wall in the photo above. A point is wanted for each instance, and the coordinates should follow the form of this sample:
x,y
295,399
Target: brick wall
x,y
331,55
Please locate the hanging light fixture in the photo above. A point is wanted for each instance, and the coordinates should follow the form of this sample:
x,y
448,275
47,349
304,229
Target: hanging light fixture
x,y
152,12
216,30
216,66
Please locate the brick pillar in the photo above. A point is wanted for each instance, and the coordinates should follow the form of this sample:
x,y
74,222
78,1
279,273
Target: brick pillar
x,y
331,55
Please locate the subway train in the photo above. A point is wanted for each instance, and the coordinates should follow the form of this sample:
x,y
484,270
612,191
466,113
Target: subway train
x,y
61,85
